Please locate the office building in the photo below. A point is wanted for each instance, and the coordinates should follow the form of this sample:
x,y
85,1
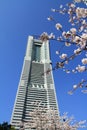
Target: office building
x,y
34,85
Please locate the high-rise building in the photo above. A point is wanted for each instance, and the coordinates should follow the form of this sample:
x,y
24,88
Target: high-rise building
x,y
33,86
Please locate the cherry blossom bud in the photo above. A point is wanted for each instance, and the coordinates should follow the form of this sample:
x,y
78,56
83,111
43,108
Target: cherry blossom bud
x,y
84,61
74,71
74,86
63,56
80,68
50,18
82,44
77,51
67,44
64,34
73,30
84,21
74,17
59,65
84,36
70,11
68,34
58,26
51,36
72,5
59,38
61,6
53,10
81,28
85,30
76,39
67,71
66,62
57,52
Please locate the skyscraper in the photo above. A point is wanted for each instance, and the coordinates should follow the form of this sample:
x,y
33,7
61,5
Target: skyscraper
x,y
32,85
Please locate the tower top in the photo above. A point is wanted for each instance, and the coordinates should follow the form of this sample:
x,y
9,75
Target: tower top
x,y
38,50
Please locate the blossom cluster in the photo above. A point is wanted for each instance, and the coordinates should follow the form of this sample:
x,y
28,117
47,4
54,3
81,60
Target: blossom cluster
x,y
81,12
75,36
44,118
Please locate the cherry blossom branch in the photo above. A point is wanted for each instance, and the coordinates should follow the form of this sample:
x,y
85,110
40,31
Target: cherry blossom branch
x,y
76,36
80,85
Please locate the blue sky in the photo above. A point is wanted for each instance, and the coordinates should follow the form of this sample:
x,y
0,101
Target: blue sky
x,y
21,18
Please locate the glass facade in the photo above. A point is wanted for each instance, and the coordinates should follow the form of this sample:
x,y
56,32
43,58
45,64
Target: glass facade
x,y
36,52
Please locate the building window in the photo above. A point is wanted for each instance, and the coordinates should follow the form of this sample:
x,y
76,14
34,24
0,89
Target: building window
x,y
36,52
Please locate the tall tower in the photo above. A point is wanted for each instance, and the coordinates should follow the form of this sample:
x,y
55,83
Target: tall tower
x,y
32,85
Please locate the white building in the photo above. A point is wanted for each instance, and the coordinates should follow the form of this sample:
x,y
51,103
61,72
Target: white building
x,y
33,86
